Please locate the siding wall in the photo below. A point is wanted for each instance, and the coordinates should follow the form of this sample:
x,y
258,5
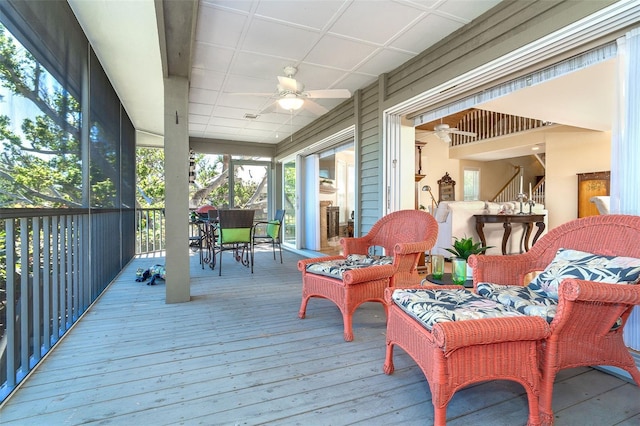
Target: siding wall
x,y
370,140
510,25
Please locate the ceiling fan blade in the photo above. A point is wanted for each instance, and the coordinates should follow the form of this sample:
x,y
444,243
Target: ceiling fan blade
x,y
327,94
463,133
254,94
314,107
289,84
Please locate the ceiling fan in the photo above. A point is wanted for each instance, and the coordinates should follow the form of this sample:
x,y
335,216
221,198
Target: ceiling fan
x,y
443,131
290,94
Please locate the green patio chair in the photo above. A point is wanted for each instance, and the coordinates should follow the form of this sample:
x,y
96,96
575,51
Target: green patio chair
x,y
270,232
234,233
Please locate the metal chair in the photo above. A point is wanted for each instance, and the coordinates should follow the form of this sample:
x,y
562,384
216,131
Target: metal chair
x,y
270,232
209,227
199,235
196,240
234,233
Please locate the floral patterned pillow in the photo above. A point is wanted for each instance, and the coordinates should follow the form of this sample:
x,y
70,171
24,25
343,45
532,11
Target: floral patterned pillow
x,y
335,268
430,307
585,266
522,299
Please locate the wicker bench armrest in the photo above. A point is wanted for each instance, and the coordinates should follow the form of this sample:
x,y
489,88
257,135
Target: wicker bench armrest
x,y
370,273
408,248
458,334
581,290
355,245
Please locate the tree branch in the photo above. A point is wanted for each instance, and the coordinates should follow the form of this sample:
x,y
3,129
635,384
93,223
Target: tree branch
x,y
39,194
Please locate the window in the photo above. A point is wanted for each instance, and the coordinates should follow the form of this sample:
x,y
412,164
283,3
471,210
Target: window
x,y
290,201
471,181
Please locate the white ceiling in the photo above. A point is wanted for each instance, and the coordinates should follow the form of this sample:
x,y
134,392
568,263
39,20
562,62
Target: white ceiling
x,y
124,35
242,46
584,98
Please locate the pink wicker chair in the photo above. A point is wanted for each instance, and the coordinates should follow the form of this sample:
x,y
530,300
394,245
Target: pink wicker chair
x,y
458,353
404,234
582,332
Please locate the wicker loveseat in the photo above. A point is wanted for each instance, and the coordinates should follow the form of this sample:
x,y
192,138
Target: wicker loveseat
x,y
357,276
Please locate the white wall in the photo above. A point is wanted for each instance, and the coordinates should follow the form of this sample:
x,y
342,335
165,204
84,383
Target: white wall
x,y
568,153
435,163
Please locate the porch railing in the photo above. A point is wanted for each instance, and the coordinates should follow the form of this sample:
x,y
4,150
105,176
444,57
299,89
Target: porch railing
x,y
489,124
150,230
53,265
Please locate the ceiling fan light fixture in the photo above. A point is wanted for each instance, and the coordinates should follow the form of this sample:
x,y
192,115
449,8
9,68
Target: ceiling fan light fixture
x,y
444,136
291,102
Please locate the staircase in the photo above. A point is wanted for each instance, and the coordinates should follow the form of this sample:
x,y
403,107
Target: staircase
x,y
509,192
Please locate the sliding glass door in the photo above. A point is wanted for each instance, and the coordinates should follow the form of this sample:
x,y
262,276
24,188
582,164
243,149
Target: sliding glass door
x,y
289,202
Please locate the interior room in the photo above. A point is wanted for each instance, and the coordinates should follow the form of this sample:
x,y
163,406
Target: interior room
x,y
336,185
577,121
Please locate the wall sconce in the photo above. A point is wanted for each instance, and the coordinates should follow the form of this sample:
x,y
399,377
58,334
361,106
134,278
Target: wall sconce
x,y
290,102
427,188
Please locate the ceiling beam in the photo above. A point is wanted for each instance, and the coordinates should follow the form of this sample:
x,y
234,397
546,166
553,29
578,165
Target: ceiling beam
x,y
176,33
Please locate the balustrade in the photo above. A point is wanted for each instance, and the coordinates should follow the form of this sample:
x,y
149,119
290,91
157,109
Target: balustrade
x,y
55,263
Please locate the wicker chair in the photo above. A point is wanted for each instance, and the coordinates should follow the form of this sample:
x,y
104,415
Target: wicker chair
x,y
587,329
405,235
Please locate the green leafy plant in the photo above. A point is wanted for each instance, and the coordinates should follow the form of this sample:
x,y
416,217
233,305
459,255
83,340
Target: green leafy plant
x,y
465,247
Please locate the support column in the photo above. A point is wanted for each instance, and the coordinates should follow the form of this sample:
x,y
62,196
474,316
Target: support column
x,y
176,166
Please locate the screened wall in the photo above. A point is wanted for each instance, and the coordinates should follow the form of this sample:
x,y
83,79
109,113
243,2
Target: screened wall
x,y
67,181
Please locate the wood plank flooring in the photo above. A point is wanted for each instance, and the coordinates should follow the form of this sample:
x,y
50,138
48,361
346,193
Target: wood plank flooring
x,y
237,354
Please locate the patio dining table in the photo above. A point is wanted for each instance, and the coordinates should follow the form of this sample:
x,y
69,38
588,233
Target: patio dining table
x,y
209,230
203,237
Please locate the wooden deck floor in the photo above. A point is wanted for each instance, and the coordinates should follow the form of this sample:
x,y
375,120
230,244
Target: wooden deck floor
x,y
237,354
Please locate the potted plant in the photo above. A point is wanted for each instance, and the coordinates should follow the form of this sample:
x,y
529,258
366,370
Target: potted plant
x,y
465,247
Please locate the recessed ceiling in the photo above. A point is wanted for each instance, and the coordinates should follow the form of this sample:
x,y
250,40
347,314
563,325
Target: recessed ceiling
x,y
242,46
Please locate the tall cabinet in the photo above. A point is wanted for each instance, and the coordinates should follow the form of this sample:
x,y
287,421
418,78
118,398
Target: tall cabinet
x,y
590,185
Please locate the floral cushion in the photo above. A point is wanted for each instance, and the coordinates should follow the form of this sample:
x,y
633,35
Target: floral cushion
x,y
586,266
430,307
522,299
335,268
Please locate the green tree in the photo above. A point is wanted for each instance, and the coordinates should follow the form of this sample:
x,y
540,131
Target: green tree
x,y
212,183
41,157
150,188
